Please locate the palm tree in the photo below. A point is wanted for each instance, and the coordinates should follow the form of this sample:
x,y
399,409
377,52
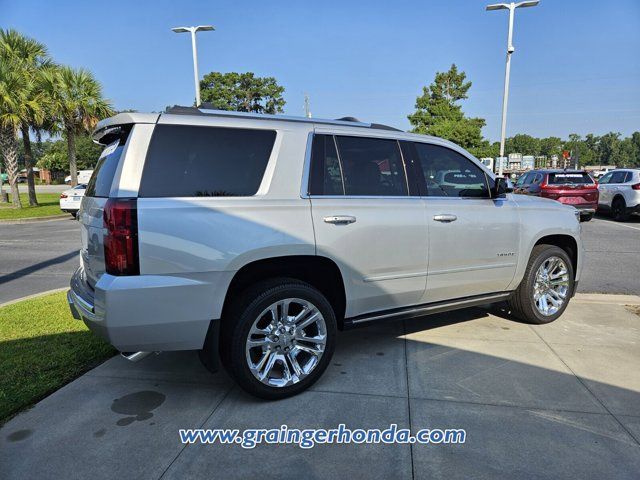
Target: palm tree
x,y
75,100
29,57
14,108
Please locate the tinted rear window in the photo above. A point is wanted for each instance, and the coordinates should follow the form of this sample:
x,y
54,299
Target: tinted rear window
x,y
188,161
579,178
100,183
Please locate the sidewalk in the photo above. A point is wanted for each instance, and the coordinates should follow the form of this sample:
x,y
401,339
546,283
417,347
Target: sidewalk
x,y
554,401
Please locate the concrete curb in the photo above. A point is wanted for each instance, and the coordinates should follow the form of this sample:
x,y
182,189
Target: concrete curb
x,y
35,295
607,298
18,221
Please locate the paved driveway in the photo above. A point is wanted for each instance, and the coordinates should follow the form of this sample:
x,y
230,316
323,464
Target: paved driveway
x,y
35,257
555,401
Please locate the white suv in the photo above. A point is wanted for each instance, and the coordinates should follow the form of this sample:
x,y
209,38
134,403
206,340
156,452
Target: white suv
x,y
619,193
260,236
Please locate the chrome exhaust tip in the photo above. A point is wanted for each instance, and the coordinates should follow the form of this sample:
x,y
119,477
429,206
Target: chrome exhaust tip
x,y
135,356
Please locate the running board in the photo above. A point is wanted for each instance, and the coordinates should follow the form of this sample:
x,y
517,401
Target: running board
x,y
427,309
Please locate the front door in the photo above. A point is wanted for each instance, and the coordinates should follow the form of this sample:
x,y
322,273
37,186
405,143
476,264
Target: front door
x,y
473,239
367,222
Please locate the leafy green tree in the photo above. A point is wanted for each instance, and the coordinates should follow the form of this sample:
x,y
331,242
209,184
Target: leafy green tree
x,y
242,92
522,143
76,102
438,112
55,154
609,149
29,57
550,146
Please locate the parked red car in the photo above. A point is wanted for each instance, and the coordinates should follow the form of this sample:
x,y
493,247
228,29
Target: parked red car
x,y
571,187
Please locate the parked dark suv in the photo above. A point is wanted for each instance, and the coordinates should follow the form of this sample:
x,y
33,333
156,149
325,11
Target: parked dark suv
x,y
570,187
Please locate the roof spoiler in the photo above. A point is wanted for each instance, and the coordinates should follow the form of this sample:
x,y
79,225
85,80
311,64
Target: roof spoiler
x,y
107,128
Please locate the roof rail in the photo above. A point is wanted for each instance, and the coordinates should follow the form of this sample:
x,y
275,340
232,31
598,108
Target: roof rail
x,y
208,109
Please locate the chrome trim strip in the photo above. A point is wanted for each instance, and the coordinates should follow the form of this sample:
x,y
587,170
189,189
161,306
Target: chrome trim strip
x,y
395,277
440,306
469,269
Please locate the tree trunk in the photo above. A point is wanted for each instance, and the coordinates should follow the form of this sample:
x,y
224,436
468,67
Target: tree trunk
x,y
9,147
71,153
3,199
28,160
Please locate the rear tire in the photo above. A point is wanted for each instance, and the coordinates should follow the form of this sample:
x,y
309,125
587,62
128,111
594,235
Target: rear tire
x,y
265,344
619,210
556,286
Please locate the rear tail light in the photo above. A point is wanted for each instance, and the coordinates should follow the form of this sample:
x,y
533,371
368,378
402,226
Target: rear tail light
x,y
636,186
63,195
121,239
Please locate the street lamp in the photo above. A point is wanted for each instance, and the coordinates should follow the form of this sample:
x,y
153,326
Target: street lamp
x,y
193,30
510,49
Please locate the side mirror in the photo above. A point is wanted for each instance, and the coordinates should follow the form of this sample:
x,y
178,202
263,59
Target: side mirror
x,y
501,188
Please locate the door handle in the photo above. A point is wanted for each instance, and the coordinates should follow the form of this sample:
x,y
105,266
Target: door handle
x,y
445,217
340,219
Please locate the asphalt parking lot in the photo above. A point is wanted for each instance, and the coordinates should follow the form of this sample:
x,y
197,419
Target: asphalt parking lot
x,y
40,256
553,401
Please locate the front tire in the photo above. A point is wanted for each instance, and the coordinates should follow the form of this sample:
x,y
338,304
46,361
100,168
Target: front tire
x,y
547,286
278,338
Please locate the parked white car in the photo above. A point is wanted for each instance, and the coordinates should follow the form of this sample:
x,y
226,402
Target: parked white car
x,y
259,236
71,199
620,193
83,177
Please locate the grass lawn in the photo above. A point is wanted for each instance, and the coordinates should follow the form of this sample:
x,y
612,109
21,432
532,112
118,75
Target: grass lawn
x,y
48,205
42,347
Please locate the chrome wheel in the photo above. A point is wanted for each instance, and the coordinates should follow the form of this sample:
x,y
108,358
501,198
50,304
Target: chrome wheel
x,y
286,341
551,286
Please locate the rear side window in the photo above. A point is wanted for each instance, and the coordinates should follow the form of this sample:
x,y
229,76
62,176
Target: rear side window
x,y
188,161
450,174
579,178
372,167
359,167
326,172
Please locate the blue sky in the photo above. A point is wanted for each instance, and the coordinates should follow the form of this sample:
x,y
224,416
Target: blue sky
x,y
576,67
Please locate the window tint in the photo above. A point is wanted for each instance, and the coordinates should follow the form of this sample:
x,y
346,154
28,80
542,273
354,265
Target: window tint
x,y
371,166
579,178
617,177
188,161
325,174
449,174
100,182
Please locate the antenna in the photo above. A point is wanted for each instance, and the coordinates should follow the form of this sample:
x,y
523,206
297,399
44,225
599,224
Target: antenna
x,y
307,111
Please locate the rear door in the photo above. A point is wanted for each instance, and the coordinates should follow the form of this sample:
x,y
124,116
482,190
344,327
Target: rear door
x,y
369,220
473,239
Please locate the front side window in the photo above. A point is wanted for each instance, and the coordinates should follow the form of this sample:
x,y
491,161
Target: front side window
x,y
371,167
190,161
450,174
524,180
605,178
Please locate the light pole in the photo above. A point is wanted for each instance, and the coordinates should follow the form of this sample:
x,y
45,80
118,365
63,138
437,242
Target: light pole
x,y
193,31
510,49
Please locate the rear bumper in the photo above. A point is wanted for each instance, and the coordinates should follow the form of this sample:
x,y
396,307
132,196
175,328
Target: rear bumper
x,y
148,312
